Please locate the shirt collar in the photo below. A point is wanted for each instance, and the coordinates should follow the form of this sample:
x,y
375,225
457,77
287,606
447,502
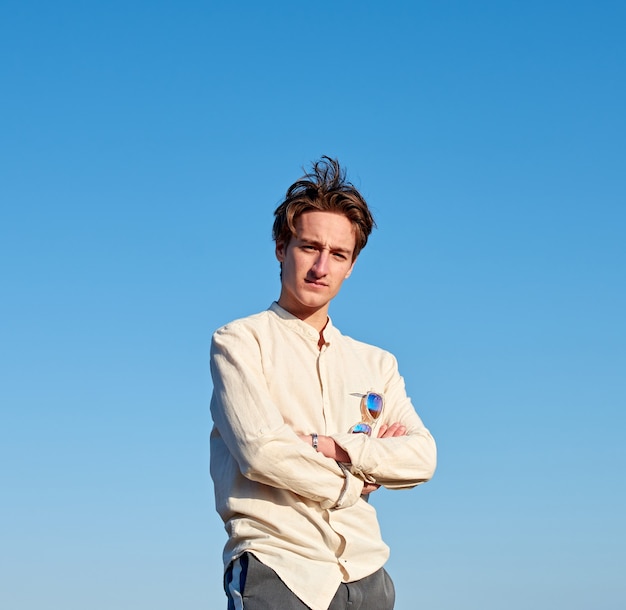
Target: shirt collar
x,y
302,327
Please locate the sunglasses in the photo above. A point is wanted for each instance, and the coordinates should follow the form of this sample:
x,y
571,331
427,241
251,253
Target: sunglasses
x,y
371,408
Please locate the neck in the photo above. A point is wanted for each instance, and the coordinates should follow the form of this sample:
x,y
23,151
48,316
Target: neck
x,y
317,318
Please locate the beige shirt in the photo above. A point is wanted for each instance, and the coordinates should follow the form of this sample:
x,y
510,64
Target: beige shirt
x,y
292,507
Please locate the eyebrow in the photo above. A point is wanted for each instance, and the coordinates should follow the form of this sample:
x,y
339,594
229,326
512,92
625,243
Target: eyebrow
x,y
318,244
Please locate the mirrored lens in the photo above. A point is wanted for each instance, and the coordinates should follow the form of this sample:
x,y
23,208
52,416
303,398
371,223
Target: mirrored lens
x,y
374,404
361,428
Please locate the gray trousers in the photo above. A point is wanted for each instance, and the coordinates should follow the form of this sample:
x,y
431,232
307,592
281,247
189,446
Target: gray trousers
x,y
251,585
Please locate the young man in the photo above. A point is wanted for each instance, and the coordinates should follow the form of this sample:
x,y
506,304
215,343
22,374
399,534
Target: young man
x,y
309,422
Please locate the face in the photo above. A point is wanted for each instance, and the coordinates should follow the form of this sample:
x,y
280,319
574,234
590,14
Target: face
x,y
315,263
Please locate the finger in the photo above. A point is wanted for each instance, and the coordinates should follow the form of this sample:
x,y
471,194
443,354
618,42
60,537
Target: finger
x,y
395,429
390,430
368,488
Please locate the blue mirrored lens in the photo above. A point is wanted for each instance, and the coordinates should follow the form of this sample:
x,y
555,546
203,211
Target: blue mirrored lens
x,y
361,428
374,404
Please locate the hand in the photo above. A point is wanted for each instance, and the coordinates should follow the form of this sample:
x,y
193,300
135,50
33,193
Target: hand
x,y
368,488
389,431
327,446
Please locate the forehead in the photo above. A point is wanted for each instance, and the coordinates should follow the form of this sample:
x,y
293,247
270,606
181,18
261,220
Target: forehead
x,y
327,228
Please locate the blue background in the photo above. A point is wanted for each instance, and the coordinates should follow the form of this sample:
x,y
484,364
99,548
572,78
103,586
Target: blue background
x,y
144,146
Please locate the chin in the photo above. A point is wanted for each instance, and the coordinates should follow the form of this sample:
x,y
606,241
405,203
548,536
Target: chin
x,y
314,301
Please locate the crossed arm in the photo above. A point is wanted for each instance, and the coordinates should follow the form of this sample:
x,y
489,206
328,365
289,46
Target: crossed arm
x,y
327,446
253,431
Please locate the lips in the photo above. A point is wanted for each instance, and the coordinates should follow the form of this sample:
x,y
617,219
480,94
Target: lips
x,y
316,283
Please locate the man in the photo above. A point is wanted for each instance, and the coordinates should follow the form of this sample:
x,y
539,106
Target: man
x,y
309,422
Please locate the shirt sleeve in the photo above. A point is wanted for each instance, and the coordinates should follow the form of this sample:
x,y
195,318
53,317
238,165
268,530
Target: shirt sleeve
x,y
253,430
400,462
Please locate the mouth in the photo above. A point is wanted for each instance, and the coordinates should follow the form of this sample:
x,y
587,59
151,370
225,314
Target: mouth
x,y
315,283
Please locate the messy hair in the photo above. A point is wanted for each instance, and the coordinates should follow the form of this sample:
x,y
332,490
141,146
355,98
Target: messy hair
x,y
324,189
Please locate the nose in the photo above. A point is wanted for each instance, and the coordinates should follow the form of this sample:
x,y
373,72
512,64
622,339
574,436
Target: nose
x,y
320,267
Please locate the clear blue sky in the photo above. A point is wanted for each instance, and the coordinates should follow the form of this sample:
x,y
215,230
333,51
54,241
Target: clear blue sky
x,y
144,146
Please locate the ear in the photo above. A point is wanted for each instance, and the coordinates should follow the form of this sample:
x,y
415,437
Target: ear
x,y
349,272
280,251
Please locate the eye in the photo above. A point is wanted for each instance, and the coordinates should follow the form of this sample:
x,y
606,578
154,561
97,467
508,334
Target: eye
x,y
307,248
339,256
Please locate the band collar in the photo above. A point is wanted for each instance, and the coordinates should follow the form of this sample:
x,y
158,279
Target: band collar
x,y
301,327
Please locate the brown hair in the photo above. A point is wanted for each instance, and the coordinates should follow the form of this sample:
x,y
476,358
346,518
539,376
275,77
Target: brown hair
x,y
324,189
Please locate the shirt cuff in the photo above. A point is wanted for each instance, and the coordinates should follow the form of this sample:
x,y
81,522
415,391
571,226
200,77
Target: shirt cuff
x,y
351,490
